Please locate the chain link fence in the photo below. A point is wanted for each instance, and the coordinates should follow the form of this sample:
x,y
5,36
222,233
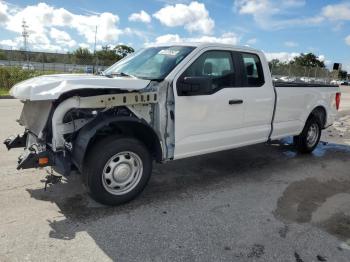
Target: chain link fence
x,y
43,61
299,74
17,65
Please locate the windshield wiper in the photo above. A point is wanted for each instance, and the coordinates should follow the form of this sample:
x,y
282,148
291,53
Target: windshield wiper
x,y
120,74
156,79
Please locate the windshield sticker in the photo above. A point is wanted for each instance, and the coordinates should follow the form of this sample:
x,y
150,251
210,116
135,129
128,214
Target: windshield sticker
x,y
168,52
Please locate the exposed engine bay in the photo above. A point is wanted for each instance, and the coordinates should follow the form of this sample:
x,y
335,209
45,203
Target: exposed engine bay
x,y
53,128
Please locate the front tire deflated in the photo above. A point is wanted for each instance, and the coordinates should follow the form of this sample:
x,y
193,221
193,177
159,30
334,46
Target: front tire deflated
x,y
117,169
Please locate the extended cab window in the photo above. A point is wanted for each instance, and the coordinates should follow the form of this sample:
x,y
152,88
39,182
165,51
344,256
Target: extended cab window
x,y
252,71
213,70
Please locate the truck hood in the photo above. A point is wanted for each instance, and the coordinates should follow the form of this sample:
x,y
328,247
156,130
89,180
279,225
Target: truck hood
x,y
50,87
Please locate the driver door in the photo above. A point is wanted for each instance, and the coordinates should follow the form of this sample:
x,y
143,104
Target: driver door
x,y
210,119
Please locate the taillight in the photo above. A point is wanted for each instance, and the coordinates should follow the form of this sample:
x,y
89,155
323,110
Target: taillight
x,y
337,100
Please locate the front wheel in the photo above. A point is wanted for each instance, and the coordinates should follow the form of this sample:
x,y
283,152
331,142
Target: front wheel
x,y
117,170
308,140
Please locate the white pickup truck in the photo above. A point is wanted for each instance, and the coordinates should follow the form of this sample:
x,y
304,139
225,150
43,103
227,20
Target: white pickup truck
x,y
162,103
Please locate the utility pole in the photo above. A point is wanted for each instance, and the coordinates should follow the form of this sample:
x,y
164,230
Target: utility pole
x,y
25,36
95,66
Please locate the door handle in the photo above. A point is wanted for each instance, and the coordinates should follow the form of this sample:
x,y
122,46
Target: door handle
x,y
235,102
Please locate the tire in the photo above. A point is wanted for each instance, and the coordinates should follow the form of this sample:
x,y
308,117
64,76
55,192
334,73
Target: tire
x,y
309,138
117,170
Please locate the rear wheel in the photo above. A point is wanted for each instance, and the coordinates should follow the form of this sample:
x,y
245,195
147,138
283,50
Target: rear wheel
x,y
308,140
117,170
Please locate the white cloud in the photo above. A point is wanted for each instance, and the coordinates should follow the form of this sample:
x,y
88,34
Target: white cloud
x,y
337,12
140,17
44,20
227,38
322,58
84,45
252,7
291,44
347,40
281,56
8,43
266,13
252,41
62,37
294,3
107,30
169,38
3,13
194,17
37,42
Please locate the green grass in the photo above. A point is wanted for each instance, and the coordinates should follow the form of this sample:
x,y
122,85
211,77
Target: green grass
x,y
4,92
9,76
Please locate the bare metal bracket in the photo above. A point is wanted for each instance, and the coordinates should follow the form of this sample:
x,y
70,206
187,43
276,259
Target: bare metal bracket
x,y
102,101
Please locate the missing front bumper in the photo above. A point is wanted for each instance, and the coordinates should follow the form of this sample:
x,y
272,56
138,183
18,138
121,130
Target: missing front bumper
x,y
33,155
39,154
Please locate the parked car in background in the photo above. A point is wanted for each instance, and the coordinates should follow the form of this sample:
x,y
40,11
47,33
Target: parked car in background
x,y
344,83
163,103
89,69
336,82
28,67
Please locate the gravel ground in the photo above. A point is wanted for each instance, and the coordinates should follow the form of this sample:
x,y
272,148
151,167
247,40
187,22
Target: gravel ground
x,y
259,203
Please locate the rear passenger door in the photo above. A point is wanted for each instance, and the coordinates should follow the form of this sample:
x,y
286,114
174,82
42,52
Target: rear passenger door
x,y
256,84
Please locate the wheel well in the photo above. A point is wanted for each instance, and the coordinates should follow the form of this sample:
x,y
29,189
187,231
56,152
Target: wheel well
x,y
138,130
320,113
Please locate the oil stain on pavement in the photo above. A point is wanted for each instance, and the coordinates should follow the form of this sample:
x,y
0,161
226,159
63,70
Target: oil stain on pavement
x,y
310,201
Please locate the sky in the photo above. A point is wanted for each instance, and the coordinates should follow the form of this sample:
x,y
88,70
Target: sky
x,y
282,29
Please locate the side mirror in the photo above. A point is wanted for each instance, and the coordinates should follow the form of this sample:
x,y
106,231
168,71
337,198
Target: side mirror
x,y
194,85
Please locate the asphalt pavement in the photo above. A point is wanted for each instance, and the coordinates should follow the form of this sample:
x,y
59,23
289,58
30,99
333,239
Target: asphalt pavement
x,y
259,203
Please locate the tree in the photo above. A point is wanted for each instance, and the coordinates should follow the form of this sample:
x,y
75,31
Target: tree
x,y
83,56
342,74
107,56
308,60
278,67
123,50
40,57
2,55
276,63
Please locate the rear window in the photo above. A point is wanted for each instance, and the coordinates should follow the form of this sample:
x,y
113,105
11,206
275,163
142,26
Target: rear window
x,y
252,70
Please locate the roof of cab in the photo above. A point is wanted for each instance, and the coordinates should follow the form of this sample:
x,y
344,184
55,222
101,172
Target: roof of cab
x,y
204,45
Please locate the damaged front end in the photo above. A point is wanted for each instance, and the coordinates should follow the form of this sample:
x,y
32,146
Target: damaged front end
x,y
33,156
34,118
53,127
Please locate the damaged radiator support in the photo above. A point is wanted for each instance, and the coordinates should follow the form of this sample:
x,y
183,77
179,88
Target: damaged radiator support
x,y
103,101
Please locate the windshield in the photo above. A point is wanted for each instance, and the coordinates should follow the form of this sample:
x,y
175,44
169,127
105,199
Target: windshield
x,y
153,63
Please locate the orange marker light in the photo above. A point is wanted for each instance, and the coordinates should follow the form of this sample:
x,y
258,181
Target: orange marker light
x,y
43,161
